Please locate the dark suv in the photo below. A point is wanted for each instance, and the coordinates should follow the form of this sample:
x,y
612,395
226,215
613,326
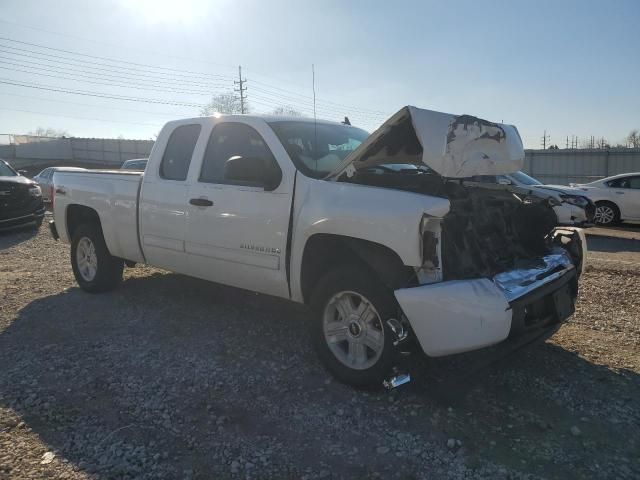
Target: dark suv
x,y
20,199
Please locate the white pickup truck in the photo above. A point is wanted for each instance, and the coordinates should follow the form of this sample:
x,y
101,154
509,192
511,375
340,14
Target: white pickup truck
x,y
383,235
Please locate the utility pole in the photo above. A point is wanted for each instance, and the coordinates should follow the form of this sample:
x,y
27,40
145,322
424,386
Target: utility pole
x,y
566,146
241,89
545,139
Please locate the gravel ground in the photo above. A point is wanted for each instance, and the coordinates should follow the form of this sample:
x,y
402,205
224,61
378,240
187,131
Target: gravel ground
x,y
170,377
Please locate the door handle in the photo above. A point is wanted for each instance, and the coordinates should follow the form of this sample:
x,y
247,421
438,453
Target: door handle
x,y
620,193
201,202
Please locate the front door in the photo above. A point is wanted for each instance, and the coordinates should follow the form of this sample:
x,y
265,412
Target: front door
x,y
237,230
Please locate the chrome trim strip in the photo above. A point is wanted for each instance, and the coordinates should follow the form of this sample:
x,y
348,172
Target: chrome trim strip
x,y
518,282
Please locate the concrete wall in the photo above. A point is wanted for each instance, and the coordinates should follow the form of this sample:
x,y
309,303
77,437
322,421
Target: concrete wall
x,y
36,153
549,166
580,165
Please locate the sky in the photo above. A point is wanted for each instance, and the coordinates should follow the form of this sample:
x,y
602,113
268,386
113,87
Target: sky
x,y
567,67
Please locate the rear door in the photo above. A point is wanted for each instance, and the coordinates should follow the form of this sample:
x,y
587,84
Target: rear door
x,y
163,200
625,192
631,204
237,230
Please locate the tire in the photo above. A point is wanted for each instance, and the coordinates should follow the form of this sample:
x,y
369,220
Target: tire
x,y
100,271
348,354
607,213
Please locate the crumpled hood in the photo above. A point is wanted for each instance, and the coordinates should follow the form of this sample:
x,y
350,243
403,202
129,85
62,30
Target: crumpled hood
x,y
455,146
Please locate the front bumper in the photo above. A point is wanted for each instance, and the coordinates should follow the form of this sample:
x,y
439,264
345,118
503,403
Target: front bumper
x,y
32,217
572,215
463,315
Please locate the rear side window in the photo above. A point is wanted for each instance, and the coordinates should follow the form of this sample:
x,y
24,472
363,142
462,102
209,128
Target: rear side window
x,y
177,156
624,182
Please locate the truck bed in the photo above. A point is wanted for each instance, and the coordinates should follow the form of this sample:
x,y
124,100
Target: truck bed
x,y
113,194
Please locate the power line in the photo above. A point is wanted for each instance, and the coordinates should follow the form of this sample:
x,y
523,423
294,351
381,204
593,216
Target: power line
x,y
135,86
94,76
165,114
200,74
22,25
352,108
102,58
88,93
127,72
80,118
164,84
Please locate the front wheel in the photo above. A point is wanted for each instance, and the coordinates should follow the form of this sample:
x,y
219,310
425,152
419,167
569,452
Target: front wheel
x,y
351,333
95,269
607,213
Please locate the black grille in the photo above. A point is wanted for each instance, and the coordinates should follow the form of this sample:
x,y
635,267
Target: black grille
x,y
15,200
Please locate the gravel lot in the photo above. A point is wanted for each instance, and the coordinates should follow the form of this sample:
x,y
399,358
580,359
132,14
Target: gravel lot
x,y
170,377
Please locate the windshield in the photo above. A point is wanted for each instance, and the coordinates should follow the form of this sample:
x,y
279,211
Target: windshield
x,y
6,170
524,179
317,149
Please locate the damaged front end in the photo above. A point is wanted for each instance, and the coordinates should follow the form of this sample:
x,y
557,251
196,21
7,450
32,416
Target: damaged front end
x,y
495,266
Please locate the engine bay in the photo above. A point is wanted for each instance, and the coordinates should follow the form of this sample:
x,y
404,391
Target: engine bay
x,y
489,228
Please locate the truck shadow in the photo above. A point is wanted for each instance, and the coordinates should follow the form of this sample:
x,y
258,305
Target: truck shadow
x,y
160,373
16,235
612,245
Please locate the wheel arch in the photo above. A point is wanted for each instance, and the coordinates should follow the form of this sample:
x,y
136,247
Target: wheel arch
x,y
77,215
324,251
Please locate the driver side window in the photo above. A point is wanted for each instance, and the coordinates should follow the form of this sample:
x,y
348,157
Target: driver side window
x,y
230,140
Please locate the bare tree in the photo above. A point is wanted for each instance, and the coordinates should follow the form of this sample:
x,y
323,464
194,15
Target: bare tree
x,y
48,132
287,111
633,139
224,103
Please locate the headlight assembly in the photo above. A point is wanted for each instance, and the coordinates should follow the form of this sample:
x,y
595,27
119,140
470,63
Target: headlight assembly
x,y
35,191
577,200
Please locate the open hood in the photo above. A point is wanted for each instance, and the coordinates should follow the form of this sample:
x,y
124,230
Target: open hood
x,y
455,146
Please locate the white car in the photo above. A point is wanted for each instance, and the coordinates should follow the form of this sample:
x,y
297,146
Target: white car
x,y
45,180
571,206
313,212
617,198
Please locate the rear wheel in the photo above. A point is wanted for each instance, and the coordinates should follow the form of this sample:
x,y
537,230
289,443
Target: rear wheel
x,y
607,213
351,333
95,269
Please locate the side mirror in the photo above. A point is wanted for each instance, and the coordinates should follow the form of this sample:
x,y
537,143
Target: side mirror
x,y
23,172
257,170
504,181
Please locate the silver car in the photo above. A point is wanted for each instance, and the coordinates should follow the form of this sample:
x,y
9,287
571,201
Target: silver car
x,y
45,180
